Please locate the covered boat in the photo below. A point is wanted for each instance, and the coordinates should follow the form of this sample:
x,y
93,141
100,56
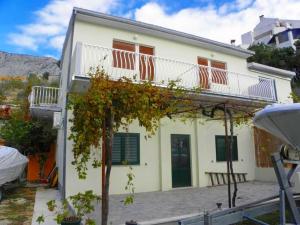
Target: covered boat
x,y
12,164
281,120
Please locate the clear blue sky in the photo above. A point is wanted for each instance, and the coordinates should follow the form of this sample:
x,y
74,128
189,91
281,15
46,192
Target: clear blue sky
x,y
38,27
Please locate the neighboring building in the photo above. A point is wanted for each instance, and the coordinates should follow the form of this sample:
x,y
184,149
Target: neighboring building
x,y
127,48
273,31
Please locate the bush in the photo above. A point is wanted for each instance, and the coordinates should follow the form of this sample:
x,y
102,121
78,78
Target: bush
x,y
29,137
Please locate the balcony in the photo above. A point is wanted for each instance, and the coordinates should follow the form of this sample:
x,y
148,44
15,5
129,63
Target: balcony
x,y
216,83
44,101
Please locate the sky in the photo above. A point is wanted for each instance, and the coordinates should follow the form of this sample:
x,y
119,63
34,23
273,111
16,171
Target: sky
x,y
38,27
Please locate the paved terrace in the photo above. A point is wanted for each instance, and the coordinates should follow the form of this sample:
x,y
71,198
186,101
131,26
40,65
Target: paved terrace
x,y
161,205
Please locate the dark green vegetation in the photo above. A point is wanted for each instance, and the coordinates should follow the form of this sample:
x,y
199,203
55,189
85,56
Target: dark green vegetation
x,y
28,136
19,130
282,58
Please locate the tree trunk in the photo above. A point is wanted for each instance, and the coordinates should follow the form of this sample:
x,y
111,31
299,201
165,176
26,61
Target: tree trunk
x,y
227,157
231,166
108,145
103,166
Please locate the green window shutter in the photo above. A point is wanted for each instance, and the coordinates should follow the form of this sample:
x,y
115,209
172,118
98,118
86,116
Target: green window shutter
x,y
234,149
117,149
131,147
126,149
221,148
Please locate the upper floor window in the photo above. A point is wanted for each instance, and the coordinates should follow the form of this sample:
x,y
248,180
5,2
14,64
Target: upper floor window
x,y
124,57
127,55
212,71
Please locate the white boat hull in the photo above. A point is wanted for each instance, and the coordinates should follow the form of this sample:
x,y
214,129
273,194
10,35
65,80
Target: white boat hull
x,y
12,164
281,120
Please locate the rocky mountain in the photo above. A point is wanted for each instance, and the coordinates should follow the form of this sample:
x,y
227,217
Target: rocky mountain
x,y
21,65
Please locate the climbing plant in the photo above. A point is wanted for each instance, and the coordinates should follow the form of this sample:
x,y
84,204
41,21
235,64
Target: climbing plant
x,y
109,105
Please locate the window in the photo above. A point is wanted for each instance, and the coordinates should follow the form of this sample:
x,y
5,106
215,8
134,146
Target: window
x,y
125,57
296,33
221,148
219,73
215,69
283,37
146,63
126,149
203,72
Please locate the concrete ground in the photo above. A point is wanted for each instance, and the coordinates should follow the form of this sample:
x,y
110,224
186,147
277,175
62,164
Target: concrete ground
x,y
40,207
150,207
179,202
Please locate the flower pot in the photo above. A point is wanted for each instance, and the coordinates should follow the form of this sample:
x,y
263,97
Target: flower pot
x,y
131,222
71,221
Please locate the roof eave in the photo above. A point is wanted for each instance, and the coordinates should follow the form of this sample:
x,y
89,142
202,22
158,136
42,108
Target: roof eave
x,y
271,70
96,17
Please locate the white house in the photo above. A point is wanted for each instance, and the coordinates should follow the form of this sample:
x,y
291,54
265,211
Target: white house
x,y
273,31
124,48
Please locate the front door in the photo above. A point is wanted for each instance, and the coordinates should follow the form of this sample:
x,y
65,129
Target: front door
x,y
181,168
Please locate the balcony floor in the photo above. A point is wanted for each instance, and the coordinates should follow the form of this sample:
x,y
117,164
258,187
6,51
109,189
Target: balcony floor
x,y
44,112
80,84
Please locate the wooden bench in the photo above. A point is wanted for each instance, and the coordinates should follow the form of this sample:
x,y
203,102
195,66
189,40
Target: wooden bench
x,y
220,178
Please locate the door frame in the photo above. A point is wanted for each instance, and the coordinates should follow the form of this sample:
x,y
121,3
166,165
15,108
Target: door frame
x,y
190,160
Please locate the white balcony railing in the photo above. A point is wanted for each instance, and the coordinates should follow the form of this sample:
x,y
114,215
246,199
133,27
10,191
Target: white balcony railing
x,y
44,97
118,63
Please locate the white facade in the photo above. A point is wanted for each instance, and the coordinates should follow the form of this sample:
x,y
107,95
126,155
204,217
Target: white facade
x,y
273,31
174,52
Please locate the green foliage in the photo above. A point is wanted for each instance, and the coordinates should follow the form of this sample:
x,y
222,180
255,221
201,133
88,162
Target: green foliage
x,y
40,219
283,58
83,204
31,136
129,187
125,101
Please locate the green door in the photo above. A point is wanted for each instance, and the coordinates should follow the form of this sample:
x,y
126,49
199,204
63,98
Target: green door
x,y
181,168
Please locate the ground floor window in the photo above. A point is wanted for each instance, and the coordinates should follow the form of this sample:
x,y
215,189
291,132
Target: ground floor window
x,y
221,148
126,149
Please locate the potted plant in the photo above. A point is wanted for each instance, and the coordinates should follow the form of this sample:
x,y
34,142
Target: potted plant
x,y
82,203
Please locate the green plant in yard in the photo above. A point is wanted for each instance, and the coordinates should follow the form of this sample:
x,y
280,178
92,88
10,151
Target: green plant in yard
x,y
83,204
29,137
129,187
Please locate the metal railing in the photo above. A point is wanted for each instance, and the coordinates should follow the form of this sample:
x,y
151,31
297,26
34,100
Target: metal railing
x,y
119,63
44,96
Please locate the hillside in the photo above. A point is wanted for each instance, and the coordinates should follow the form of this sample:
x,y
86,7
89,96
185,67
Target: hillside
x,y
19,65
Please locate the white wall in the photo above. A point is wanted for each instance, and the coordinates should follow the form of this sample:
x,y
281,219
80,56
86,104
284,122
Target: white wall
x,y
155,170
103,36
207,156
